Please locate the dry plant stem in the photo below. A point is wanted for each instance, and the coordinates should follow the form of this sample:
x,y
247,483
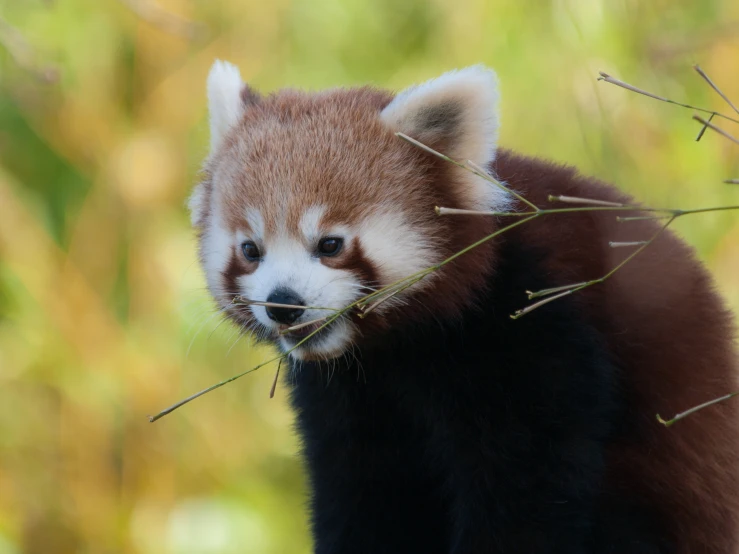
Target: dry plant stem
x,y
470,166
590,201
387,292
484,174
366,310
459,211
642,218
302,325
274,383
540,303
608,79
714,87
703,129
553,290
579,286
625,244
181,403
390,289
333,318
370,301
699,407
602,205
550,211
732,181
717,129
246,302
643,245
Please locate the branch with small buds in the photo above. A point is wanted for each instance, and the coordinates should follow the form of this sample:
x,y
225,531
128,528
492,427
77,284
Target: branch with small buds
x,y
367,304
705,124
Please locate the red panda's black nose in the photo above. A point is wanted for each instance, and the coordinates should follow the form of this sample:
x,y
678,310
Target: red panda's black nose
x,y
284,315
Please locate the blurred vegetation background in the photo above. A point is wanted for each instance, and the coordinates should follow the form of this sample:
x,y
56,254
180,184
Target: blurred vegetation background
x,y
103,312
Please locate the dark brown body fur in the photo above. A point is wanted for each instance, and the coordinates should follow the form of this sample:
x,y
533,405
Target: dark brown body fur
x,y
665,324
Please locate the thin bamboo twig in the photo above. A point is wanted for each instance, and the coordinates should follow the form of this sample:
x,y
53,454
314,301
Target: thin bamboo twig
x,y
553,290
540,303
590,201
717,129
302,325
714,87
329,320
613,244
366,309
485,174
579,286
459,211
274,383
480,172
370,301
246,302
642,218
686,413
190,398
612,80
703,129
550,211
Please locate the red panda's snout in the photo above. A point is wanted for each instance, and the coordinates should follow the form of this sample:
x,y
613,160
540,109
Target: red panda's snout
x,y
285,306
300,286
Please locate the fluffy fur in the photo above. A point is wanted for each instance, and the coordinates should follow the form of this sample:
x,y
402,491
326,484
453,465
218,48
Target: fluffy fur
x,y
438,424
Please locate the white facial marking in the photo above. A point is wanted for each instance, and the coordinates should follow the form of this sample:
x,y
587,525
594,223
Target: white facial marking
x,y
309,222
287,263
396,248
217,247
256,223
224,100
196,205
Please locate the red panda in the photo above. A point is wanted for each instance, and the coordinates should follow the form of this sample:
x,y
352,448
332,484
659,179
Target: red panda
x,y
438,424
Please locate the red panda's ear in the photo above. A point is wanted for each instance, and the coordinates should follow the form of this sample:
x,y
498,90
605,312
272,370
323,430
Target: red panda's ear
x,y
457,114
227,98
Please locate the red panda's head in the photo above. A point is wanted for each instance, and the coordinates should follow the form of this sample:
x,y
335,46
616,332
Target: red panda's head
x,y
310,199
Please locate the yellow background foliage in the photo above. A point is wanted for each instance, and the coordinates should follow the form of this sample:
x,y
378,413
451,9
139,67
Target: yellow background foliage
x,y
103,313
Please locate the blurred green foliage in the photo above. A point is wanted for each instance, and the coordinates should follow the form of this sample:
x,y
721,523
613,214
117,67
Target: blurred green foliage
x,y
103,313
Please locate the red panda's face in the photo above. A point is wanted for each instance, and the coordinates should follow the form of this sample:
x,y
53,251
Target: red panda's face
x,y
310,201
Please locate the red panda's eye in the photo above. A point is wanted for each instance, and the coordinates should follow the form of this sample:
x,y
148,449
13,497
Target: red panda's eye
x,y
251,251
330,246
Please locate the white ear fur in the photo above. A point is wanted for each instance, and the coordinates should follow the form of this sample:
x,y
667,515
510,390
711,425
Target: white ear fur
x,y
224,100
457,112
